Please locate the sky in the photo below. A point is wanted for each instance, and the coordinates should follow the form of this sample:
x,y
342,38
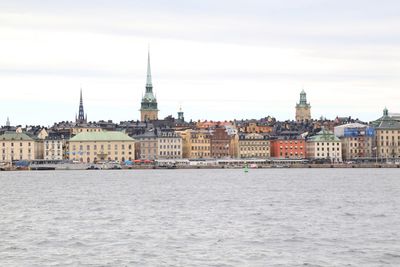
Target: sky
x,y
218,59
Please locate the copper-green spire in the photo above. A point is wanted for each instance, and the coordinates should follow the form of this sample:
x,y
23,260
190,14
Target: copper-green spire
x,y
385,112
303,98
148,81
148,96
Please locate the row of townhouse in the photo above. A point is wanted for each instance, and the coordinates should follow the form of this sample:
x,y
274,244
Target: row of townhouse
x,y
378,140
94,146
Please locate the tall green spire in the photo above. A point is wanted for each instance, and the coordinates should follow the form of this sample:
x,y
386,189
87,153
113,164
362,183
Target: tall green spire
x,y
149,96
148,81
148,108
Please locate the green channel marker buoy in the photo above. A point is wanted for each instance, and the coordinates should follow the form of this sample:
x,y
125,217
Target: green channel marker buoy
x,y
245,168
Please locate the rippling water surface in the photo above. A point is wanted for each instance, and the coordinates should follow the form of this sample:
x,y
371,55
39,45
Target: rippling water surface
x,y
285,217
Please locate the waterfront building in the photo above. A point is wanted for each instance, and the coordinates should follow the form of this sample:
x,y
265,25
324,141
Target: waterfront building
x,y
20,146
387,129
81,118
303,109
358,141
253,145
146,145
92,147
223,144
54,148
288,147
196,144
148,108
324,146
169,144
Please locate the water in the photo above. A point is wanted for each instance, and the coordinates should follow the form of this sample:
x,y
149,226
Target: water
x,y
281,217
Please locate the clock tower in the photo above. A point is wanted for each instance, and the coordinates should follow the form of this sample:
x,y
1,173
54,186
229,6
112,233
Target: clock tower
x,y
303,109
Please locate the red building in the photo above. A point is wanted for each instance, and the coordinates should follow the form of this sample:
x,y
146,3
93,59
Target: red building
x,y
288,148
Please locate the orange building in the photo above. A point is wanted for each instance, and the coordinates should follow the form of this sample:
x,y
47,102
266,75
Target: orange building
x,y
288,148
256,128
212,124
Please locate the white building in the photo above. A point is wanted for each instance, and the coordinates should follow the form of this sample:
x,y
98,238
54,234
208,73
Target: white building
x,y
169,145
53,149
324,145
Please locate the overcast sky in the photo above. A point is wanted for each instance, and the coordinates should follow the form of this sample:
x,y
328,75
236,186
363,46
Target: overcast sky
x,y
220,60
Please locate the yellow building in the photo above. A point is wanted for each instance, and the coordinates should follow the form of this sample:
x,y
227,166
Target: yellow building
x,y
20,146
196,144
200,144
387,130
101,146
254,146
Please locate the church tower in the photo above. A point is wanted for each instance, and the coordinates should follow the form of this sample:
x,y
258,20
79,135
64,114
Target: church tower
x,y
148,108
81,119
303,109
181,118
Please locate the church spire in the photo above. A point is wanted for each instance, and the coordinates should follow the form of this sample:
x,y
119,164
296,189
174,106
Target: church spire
x,y
148,108
149,83
8,122
81,116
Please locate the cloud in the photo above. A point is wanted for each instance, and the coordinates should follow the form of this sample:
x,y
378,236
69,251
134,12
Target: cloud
x,y
223,59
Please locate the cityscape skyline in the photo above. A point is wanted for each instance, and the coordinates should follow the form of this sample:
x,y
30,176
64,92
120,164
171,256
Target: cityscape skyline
x,y
230,64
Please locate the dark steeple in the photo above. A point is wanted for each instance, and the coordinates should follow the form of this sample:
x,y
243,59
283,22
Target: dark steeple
x,y
181,118
81,117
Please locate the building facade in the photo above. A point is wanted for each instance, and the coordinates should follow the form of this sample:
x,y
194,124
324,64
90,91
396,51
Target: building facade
x,y
387,129
358,141
196,144
253,145
20,146
222,144
92,147
146,147
303,109
148,108
54,149
324,146
288,148
169,145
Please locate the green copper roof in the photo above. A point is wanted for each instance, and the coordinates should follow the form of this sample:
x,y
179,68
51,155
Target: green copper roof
x,y
386,122
148,80
11,136
101,136
324,136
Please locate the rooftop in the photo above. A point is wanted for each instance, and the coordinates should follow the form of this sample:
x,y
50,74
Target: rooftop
x,y
324,136
101,136
11,136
